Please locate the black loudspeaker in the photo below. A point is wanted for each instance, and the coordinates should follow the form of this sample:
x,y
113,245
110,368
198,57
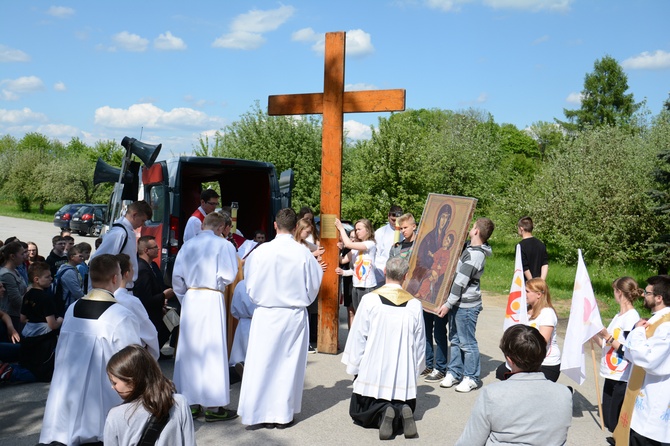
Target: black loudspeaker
x,y
146,152
104,173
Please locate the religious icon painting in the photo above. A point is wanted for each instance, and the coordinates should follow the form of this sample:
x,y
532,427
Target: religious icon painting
x,y
442,233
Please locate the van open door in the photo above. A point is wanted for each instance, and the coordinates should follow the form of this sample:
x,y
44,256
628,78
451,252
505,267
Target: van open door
x,y
155,189
286,182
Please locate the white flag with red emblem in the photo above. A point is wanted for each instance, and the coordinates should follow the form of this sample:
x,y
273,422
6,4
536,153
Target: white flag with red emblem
x,y
516,312
583,324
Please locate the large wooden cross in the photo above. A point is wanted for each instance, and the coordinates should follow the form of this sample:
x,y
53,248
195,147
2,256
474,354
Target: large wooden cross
x,y
333,103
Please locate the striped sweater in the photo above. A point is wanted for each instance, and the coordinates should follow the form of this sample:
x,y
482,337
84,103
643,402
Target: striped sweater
x,y
465,291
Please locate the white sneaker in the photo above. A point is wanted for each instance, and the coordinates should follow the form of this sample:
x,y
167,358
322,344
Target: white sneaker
x,y
449,381
467,385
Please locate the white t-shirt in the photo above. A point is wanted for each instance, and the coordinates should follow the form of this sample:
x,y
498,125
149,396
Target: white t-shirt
x,y
613,366
363,266
548,318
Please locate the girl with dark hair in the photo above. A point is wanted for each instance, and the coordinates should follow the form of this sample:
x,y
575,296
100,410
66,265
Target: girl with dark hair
x,y
11,256
613,367
152,411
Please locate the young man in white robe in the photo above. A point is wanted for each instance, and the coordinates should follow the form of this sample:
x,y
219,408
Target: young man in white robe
x,y
242,308
121,236
385,352
385,238
95,328
648,349
148,333
204,266
282,279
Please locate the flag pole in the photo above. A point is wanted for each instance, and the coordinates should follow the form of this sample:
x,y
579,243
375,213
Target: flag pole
x,y
595,376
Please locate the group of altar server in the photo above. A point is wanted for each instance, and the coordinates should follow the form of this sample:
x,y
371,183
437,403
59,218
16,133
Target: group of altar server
x,y
281,278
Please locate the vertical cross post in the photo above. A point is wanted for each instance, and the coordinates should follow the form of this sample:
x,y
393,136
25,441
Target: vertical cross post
x,y
333,103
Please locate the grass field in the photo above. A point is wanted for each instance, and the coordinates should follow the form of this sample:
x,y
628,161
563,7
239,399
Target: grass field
x,y
499,269
9,209
497,278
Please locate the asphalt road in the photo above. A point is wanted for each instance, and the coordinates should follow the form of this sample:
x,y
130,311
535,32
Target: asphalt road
x,y
324,420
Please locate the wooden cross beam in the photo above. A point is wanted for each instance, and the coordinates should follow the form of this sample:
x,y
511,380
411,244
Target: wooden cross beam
x,y
333,103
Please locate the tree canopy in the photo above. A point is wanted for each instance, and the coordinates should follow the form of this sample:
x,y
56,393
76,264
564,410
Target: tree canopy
x,y
605,100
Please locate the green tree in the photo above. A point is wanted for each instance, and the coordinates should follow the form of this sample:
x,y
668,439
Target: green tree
x,y
592,194
417,152
660,193
285,141
604,98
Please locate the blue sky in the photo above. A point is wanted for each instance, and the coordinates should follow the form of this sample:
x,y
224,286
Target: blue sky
x,y
103,70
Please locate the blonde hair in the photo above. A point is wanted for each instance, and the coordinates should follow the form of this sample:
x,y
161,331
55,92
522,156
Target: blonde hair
x,y
539,286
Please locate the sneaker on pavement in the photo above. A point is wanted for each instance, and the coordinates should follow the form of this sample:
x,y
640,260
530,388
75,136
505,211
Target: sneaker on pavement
x,y
221,414
311,349
427,371
5,371
467,385
434,376
196,410
449,381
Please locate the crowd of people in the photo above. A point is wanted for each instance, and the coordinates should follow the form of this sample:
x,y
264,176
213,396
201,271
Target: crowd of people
x,y
93,325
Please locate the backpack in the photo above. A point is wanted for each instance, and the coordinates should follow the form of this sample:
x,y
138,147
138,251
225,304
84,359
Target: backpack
x,y
57,290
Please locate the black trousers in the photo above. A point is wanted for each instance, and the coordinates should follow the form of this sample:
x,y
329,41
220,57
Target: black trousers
x,y
367,411
638,440
613,394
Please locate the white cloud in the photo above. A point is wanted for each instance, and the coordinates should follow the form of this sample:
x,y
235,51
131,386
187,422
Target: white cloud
x,y
574,98
8,54
60,86
359,87
199,103
59,131
152,117
61,12
359,43
11,89
130,42
19,117
246,31
168,42
305,35
540,40
357,130
525,5
446,5
483,97
531,5
657,60
240,40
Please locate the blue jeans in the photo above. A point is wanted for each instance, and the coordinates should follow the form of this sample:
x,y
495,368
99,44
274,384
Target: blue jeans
x,y
464,350
438,355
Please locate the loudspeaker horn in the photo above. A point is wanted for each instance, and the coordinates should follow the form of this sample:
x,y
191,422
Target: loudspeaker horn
x,y
146,152
104,173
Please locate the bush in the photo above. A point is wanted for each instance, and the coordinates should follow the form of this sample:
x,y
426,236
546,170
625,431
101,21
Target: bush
x,y
592,194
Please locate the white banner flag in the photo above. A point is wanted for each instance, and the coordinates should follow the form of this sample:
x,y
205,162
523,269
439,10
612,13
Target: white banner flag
x,y
516,312
583,324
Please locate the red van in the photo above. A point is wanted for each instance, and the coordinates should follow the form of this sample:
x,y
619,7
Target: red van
x,y
173,188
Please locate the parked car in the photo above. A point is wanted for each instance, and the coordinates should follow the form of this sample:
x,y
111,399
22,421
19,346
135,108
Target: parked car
x,y
63,215
88,220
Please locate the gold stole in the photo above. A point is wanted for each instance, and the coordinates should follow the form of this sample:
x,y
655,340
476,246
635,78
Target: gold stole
x,y
396,295
100,295
622,432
